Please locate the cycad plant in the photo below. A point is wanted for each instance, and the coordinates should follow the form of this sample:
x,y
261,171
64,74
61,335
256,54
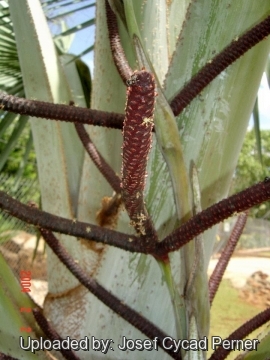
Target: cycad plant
x,y
180,78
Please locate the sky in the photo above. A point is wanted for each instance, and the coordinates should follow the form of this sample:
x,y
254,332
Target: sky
x,y
264,104
82,39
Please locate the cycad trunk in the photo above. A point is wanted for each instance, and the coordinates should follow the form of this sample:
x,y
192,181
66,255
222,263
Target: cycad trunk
x,y
211,131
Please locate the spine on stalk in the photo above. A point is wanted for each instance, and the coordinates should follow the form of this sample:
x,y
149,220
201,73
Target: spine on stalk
x,y
137,133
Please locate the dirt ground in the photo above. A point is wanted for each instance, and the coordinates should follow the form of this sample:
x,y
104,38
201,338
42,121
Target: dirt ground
x,y
240,269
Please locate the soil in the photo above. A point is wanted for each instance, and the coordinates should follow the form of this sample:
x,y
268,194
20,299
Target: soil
x,y
251,276
240,269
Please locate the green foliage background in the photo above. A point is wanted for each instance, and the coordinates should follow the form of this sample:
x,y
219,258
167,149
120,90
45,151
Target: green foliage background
x,y
15,161
250,170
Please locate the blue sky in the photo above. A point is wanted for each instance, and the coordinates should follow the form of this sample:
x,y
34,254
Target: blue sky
x,y
264,104
82,39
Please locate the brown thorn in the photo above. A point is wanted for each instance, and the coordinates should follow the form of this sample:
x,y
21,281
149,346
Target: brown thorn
x,y
219,63
7,357
225,256
70,227
52,334
98,159
243,331
117,50
216,213
61,112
